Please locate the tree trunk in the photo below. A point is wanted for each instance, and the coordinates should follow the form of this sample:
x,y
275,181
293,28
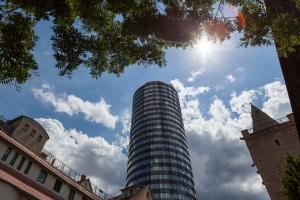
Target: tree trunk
x,y
290,65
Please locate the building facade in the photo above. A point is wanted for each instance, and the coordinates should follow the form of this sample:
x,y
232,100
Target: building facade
x,y
269,142
158,150
27,172
134,193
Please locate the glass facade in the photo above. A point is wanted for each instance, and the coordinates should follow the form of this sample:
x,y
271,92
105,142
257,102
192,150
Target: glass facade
x,y
158,152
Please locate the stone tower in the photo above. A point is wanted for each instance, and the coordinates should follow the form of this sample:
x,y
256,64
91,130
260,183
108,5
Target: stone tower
x,y
268,143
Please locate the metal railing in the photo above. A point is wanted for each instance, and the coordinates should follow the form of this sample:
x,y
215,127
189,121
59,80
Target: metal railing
x,y
71,173
268,125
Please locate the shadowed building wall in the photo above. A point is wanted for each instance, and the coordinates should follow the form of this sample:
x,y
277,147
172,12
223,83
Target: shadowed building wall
x,y
158,151
269,142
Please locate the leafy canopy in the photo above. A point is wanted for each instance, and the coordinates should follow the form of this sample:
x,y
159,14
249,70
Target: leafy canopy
x,y
290,182
270,20
103,35
108,35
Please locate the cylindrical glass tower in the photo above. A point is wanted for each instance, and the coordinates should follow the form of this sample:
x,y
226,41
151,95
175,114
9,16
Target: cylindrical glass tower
x,y
158,151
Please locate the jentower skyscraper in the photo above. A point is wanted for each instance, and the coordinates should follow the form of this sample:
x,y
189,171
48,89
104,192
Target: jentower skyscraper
x,y
158,151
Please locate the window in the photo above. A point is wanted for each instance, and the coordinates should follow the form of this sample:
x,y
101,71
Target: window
x,y
21,163
42,176
14,158
71,194
277,142
57,186
6,154
28,167
32,133
26,127
84,198
40,138
127,193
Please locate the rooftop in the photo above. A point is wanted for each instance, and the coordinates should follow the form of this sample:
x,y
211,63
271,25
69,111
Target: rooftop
x,y
153,83
269,125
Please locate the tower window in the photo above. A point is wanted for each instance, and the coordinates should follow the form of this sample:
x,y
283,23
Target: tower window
x,y
39,138
14,158
6,154
42,176
32,133
20,165
277,142
28,167
26,127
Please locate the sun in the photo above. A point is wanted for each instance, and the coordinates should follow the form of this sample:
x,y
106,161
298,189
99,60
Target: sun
x,y
204,47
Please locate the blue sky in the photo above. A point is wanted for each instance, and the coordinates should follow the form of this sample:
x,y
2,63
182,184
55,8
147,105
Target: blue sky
x,y
216,83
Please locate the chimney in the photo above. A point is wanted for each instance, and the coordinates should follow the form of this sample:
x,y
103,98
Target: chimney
x,y
82,178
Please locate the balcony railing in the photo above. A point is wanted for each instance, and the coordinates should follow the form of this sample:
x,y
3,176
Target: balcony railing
x,y
268,125
71,173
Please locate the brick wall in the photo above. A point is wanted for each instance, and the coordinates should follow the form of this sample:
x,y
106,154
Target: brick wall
x,y
268,149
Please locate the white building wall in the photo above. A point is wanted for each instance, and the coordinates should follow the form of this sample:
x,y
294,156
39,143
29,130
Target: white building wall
x,y
8,192
26,139
64,191
12,194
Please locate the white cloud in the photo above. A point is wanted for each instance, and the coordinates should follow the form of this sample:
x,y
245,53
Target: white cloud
x,y
98,112
188,91
126,121
219,124
222,169
222,122
122,141
220,161
123,138
252,183
195,75
277,102
189,103
240,69
218,111
241,103
101,161
230,78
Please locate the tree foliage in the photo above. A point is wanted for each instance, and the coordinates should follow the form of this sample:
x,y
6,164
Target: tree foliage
x,y
103,35
108,35
17,40
271,20
291,178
